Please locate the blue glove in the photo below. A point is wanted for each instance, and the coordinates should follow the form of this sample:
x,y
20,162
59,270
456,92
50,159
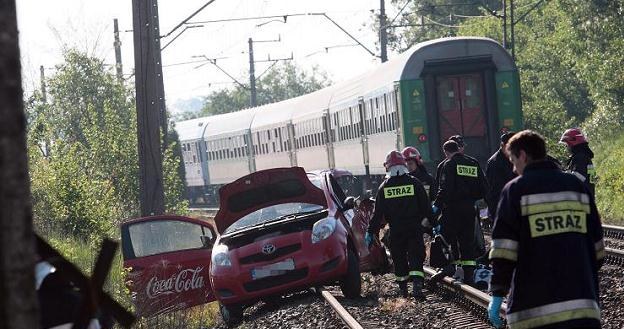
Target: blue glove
x,y
494,310
369,239
436,230
434,209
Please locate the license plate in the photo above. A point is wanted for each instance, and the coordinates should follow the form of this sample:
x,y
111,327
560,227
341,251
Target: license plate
x,y
273,269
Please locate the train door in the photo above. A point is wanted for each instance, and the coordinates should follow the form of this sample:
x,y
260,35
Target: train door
x,y
461,111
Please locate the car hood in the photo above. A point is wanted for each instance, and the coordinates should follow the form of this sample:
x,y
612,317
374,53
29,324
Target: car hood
x,y
262,189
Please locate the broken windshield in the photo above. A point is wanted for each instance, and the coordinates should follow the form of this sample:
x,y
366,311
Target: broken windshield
x,y
272,213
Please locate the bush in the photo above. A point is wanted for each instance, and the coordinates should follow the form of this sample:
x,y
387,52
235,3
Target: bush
x,y
609,162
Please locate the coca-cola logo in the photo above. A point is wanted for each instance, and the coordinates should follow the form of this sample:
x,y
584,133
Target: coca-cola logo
x,y
185,280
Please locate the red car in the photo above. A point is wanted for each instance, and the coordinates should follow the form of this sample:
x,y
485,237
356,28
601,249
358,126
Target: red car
x,y
281,230
284,230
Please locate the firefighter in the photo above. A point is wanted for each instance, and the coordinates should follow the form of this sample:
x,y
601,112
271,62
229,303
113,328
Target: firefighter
x,y
402,201
547,244
459,139
580,161
498,172
462,183
417,169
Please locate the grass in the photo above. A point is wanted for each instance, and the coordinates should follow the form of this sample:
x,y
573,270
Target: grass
x,y
609,163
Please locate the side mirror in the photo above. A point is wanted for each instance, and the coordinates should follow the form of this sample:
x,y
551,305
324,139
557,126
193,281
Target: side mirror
x,y
349,203
206,241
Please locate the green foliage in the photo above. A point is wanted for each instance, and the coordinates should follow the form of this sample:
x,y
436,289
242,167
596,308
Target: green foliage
x,y
609,162
83,152
281,82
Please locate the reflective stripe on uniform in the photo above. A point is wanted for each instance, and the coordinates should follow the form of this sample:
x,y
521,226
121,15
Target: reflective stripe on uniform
x,y
600,249
530,199
417,273
578,175
554,313
401,278
504,244
539,208
468,263
504,248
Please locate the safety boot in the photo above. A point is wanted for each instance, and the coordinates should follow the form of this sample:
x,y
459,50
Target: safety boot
x,y
448,270
403,289
417,288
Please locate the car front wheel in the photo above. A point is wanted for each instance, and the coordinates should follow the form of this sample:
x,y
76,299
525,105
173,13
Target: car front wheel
x,y
231,314
351,283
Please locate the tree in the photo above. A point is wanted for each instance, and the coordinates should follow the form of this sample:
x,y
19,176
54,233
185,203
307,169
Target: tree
x,y
18,300
83,151
282,82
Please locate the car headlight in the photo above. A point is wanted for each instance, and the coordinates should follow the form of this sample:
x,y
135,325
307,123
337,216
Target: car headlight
x,y
220,256
322,229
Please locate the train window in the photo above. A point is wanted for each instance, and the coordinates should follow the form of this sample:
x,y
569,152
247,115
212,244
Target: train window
x,y
472,92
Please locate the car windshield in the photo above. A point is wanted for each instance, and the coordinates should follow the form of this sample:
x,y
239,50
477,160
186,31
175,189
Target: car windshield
x,y
273,213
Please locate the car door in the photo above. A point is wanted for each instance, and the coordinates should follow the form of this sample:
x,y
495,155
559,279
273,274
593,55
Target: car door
x,y
168,259
373,258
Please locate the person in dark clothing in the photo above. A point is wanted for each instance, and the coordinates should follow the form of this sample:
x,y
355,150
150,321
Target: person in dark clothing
x,y
402,201
459,139
547,244
417,169
462,183
498,172
580,161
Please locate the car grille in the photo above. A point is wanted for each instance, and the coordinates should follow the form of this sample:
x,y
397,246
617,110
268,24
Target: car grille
x,y
274,281
279,252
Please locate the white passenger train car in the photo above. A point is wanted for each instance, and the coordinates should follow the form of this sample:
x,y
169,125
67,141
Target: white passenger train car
x,y
439,88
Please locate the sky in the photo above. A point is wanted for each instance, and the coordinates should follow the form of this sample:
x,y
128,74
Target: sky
x,y
47,27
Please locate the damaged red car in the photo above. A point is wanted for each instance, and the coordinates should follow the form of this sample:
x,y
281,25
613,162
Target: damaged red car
x,y
283,230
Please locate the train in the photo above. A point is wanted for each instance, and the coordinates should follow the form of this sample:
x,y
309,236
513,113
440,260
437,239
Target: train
x,y
458,85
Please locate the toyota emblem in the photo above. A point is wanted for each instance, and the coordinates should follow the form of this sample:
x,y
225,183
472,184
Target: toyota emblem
x,y
268,249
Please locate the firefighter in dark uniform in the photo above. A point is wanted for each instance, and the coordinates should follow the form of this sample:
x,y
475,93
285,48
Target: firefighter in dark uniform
x,y
402,201
547,244
498,172
417,169
462,183
580,161
459,139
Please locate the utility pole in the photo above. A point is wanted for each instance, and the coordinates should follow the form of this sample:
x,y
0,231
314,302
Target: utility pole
x,y
150,104
383,35
44,94
252,69
18,299
117,45
513,36
505,24
252,76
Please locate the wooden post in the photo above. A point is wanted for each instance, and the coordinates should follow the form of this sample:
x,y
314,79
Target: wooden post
x,y
150,105
18,303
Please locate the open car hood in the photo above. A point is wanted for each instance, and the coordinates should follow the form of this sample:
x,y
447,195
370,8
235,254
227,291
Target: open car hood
x,y
263,189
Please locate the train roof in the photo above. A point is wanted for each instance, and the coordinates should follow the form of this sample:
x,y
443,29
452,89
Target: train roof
x,y
406,66
192,129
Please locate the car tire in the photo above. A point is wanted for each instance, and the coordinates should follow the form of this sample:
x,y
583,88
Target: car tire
x,y
351,283
231,314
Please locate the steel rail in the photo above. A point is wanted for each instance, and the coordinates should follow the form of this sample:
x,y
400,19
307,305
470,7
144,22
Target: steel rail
x,y
476,296
344,315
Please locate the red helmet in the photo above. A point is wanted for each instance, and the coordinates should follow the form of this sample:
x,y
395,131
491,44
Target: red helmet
x,y
394,158
573,137
411,153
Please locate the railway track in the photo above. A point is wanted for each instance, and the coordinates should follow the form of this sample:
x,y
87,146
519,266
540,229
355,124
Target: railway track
x,y
471,313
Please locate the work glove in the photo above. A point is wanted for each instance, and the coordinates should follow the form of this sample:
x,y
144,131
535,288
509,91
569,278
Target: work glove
x,y
435,210
494,310
436,230
369,239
